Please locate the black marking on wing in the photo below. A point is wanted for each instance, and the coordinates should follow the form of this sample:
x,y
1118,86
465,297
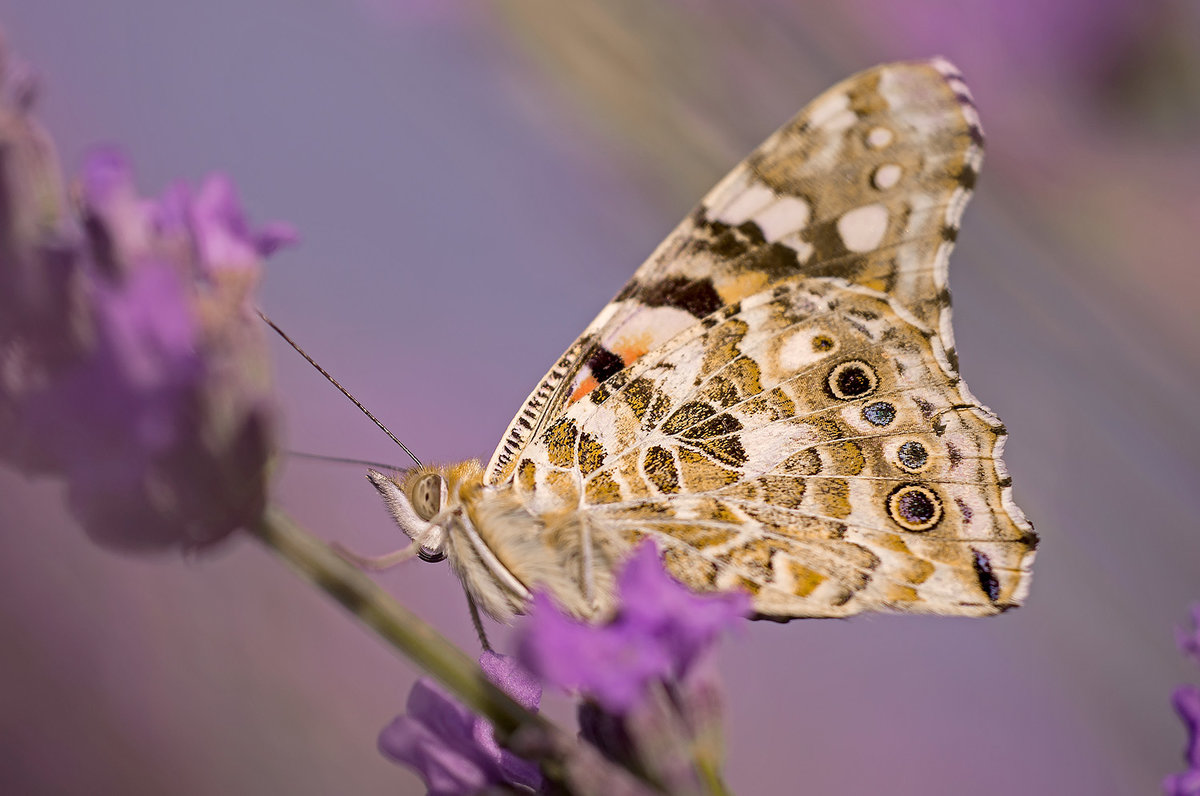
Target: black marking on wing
x,y
604,364
696,296
987,578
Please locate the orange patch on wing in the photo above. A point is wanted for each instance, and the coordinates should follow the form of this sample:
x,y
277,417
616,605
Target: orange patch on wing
x,y
585,387
632,349
628,350
737,287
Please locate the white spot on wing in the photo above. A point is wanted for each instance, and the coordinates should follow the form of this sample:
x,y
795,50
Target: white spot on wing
x,y
803,248
886,176
863,228
787,215
827,109
879,137
797,352
746,204
734,183
648,327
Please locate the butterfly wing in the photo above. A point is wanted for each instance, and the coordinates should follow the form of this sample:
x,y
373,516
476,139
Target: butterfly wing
x,y
774,397
867,183
808,443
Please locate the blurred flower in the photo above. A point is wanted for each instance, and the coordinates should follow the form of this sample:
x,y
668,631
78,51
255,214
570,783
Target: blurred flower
x,y
1187,704
652,700
1189,640
132,363
451,748
659,631
1132,63
675,725
223,236
655,606
1074,39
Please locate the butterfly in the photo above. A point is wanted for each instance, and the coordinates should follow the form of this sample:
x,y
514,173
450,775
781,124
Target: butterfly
x,y
773,398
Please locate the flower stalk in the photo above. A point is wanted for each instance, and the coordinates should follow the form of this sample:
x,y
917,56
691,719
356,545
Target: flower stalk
x,y
404,630
575,767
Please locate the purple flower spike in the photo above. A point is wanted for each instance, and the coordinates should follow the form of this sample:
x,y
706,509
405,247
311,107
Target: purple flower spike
x,y
107,178
661,629
132,364
1189,640
451,748
223,237
1186,783
1187,704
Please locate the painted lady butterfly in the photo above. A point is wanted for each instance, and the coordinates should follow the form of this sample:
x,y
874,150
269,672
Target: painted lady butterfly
x,y
773,398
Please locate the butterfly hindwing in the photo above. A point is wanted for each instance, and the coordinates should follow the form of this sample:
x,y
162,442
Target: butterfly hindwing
x,y
867,183
807,444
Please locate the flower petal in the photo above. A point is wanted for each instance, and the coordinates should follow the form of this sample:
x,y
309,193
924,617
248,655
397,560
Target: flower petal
x,y
433,739
451,748
611,664
656,605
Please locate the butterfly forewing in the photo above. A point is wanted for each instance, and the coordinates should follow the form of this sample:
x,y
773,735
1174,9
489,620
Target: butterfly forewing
x,y
867,183
774,398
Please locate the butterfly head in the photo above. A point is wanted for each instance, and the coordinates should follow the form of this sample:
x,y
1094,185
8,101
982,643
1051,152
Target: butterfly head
x,y
438,507
417,500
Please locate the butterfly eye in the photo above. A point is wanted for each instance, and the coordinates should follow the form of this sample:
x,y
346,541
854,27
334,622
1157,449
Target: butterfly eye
x,y
852,379
427,496
430,556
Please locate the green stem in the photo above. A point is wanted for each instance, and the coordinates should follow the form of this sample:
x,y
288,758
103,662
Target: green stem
x,y
710,776
414,638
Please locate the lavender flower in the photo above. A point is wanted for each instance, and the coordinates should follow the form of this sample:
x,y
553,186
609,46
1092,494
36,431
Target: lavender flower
x,y
603,662
454,750
658,633
1187,704
131,360
652,701
222,235
1076,39
1189,640
668,734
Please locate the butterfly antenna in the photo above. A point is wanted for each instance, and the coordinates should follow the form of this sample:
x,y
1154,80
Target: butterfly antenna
x,y
334,382
321,457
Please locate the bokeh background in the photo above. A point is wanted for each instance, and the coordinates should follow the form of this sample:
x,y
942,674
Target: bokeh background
x,y
473,181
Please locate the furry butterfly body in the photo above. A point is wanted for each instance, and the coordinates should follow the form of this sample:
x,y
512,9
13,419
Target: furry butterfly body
x,y
773,398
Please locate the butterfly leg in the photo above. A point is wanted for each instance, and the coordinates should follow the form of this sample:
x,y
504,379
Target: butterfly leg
x,y
477,622
376,563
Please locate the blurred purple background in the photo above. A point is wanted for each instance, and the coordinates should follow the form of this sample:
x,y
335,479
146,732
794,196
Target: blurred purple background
x,y
472,183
